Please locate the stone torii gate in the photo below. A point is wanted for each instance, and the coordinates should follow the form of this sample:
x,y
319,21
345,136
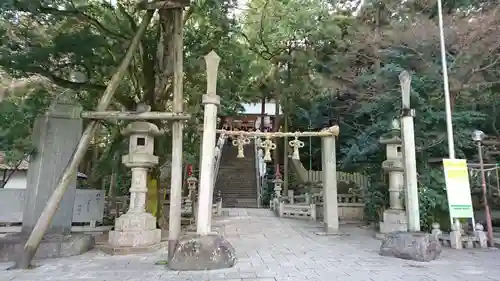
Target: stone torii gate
x,y
328,135
206,250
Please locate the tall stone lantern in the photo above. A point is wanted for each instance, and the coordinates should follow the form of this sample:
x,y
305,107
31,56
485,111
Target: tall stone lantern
x,y
137,228
394,219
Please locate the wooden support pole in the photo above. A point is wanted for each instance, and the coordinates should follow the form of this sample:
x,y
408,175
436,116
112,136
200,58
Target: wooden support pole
x,y
174,232
120,115
43,222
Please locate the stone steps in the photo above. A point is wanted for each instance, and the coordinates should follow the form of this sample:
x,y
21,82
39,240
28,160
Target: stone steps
x,y
236,178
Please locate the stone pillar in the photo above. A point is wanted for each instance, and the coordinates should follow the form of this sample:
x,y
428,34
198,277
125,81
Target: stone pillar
x,y
330,201
205,250
137,228
410,161
211,100
394,219
55,137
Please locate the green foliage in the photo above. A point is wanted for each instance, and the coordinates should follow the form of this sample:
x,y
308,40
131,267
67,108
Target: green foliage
x,y
322,64
377,195
432,198
17,116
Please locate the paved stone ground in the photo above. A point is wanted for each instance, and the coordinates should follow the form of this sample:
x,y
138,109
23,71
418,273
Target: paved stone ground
x,y
273,249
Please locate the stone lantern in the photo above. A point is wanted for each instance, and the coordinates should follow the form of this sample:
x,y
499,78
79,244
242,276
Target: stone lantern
x,y
137,228
278,182
191,198
394,219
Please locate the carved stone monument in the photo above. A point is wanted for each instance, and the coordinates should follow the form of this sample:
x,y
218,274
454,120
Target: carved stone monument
x,y
55,136
137,228
394,219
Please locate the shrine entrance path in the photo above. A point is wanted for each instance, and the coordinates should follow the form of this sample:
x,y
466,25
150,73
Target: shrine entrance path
x,y
274,249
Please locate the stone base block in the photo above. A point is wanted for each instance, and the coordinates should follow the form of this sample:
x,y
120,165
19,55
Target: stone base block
x,y
394,221
411,246
51,246
135,222
117,251
134,239
194,252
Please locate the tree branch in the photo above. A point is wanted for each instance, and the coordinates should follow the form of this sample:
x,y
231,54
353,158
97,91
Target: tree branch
x,y
84,17
63,82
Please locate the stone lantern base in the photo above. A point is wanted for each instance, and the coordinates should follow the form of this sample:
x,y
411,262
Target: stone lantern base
x,y
135,230
394,221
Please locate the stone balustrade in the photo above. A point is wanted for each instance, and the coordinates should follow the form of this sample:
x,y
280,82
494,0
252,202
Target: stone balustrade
x,y
458,239
350,206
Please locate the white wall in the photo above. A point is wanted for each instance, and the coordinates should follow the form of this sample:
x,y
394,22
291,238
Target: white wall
x,y
17,181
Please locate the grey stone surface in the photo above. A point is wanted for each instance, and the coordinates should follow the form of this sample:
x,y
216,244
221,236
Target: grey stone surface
x,y
55,137
274,249
52,246
411,246
88,205
195,252
110,250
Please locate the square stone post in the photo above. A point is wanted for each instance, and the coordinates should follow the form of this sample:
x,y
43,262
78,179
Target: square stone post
x,y
330,203
55,137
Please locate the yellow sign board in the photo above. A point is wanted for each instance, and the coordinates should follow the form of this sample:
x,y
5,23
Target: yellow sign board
x,y
458,188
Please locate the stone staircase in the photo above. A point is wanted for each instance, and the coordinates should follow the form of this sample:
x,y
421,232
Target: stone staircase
x,y
236,179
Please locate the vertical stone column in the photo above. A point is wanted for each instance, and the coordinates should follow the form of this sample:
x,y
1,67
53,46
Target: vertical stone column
x,y
138,188
394,219
410,160
330,203
205,250
137,228
55,137
211,100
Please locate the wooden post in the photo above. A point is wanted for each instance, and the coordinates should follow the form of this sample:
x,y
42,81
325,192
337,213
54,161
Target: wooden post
x,y
177,128
285,152
43,222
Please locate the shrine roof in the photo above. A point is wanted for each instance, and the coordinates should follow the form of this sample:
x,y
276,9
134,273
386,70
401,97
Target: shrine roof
x,y
256,108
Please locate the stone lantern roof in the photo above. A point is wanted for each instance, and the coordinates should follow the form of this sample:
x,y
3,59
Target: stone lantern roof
x,y
142,128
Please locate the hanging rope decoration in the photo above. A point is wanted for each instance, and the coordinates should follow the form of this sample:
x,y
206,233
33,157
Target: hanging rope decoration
x,y
296,144
268,145
240,142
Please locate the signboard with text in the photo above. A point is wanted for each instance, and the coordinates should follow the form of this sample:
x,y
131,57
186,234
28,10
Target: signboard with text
x,y
458,188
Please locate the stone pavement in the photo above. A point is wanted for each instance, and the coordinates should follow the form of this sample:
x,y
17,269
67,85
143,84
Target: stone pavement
x,y
273,249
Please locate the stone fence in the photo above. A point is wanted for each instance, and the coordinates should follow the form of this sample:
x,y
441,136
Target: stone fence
x,y
350,206
88,210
